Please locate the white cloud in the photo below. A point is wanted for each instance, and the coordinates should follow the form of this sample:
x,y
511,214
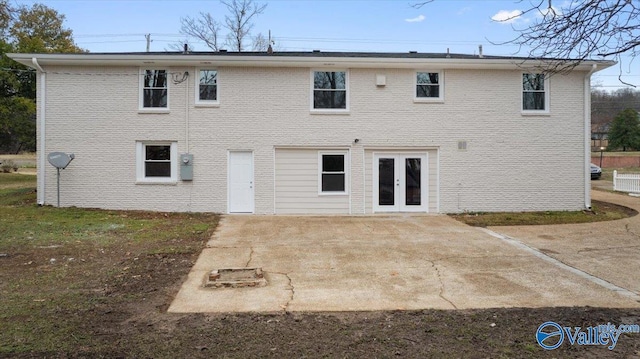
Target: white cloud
x,y
464,10
416,19
506,16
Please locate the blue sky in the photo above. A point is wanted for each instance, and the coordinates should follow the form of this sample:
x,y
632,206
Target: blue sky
x,y
304,25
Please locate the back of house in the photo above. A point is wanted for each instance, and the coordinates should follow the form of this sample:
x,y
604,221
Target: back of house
x,y
313,132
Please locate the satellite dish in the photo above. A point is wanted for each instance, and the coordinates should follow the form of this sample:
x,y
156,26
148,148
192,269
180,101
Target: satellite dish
x,y
60,160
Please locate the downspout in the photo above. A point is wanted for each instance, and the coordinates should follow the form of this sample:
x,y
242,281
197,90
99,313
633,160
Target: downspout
x,y
186,132
186,114
587,137
41,151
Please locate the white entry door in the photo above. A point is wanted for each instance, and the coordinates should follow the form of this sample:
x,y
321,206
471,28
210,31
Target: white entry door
x,y
400,182
240,182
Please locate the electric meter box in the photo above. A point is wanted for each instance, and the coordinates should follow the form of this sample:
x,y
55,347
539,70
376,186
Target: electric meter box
x,y
186,167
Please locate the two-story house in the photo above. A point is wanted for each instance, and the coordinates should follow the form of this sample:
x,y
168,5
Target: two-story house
x,y
313,132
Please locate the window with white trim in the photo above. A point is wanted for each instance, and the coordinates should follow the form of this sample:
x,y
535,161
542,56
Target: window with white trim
x,y
156,161
330,90
428,86
207,86
535,92
154,89
333,172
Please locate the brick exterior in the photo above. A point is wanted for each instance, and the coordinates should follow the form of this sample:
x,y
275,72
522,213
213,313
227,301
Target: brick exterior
x,y
513,162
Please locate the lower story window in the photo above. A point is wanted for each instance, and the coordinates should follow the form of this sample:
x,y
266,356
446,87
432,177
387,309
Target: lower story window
x,y
156,161
333,175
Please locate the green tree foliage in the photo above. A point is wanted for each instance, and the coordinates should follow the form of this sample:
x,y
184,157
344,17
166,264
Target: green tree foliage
x,y
625,131
17,123
37,29
41,29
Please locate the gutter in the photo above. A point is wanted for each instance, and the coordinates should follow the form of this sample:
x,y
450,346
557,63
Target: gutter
x,y
42,149
587,136
324,60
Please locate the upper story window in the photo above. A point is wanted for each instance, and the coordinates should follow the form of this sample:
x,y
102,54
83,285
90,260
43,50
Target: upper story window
x,y
428,86
207,86
330,90
535,94
156,162
155,94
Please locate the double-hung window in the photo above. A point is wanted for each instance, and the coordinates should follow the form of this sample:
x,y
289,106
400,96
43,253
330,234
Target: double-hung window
x,y
535,94
330,90
207,87
333,172
428,86
156,162
154,89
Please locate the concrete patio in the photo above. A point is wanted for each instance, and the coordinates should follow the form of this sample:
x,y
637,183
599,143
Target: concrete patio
x,y
416,262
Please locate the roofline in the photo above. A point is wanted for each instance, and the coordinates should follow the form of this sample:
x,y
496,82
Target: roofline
x,y
310,59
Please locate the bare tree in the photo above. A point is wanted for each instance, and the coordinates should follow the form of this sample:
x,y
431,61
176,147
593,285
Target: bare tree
x,y
578,30
260,43
179,46
239,21
205,28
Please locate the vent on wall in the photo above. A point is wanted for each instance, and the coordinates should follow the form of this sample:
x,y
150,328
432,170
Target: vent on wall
x,y
462,145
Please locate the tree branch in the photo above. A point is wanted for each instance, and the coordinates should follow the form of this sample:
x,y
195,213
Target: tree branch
x,y
204,28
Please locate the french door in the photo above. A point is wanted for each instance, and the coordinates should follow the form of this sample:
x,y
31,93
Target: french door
x,y
400,182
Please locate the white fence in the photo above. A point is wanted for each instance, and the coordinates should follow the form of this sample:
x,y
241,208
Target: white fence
x,y
626,182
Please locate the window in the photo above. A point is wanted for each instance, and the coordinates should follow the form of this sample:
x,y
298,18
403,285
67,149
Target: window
x,y
333,175
156,162
534,93
155,92
330,90
428,85
207,87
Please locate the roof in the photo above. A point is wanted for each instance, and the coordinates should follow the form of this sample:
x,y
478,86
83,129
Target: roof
x,y
297,59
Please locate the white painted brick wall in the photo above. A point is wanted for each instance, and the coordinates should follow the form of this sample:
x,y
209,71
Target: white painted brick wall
x,y
513,162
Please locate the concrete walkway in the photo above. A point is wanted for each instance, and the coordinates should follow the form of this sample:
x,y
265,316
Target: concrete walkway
x,y
606,250
415,262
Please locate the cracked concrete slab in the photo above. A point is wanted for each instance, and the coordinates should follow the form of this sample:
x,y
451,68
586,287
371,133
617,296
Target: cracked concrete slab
x,y
379,263
194,297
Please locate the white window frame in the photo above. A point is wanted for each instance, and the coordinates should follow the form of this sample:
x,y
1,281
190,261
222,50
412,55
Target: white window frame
x,y
141,108
140,161
546,96
440,98
346,173
207,103
330,110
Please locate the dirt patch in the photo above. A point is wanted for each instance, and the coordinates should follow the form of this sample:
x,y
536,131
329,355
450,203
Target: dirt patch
x,y
122,313
603,207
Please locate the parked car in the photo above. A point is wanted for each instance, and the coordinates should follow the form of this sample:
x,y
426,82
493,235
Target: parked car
x,y
596,172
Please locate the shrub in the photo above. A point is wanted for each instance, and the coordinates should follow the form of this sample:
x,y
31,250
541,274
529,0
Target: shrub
x,y
8,165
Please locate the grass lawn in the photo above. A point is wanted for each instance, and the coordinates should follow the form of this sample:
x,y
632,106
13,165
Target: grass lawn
x,y
607,173
601,211
81,283
616,154
60,266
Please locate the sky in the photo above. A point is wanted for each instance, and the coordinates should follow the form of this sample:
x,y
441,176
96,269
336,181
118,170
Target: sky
x,y
326,25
